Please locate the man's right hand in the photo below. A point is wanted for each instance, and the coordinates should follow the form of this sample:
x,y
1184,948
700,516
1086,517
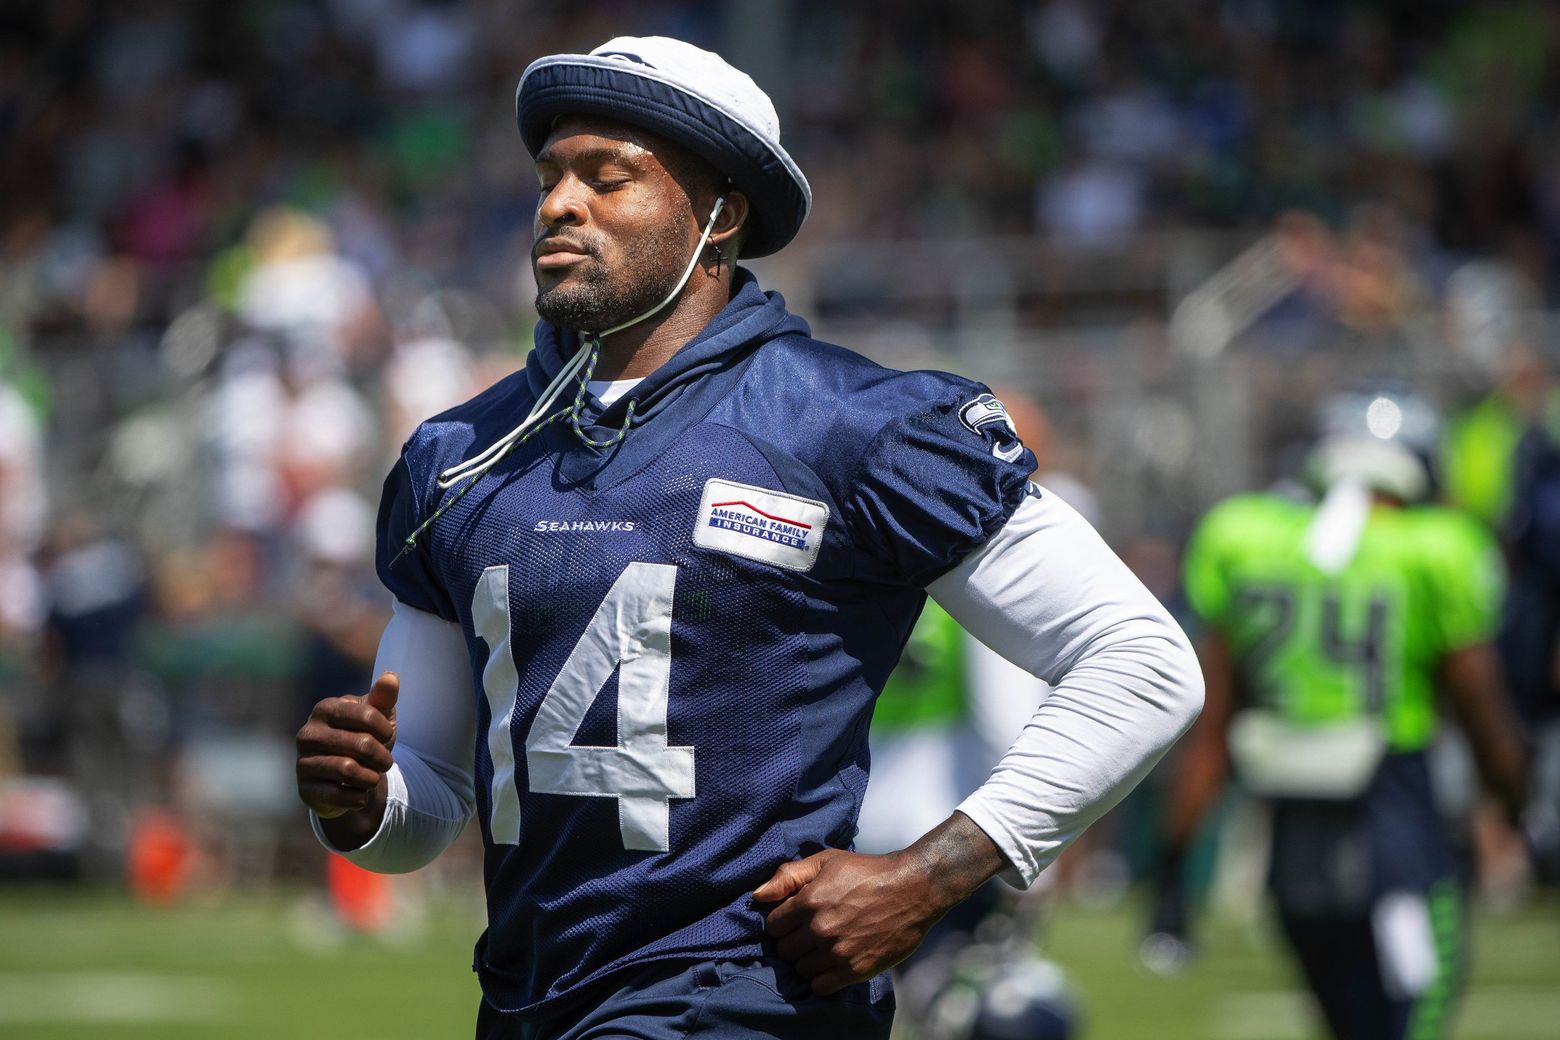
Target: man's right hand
x,y
343,756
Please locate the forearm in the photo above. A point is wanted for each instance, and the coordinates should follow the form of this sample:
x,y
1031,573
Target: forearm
x,y
1502,760
1195,786
1202,762
1471,677
1093,739
1048,595
956,857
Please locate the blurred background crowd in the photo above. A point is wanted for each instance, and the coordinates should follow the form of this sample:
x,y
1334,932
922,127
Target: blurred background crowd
x,y
245,247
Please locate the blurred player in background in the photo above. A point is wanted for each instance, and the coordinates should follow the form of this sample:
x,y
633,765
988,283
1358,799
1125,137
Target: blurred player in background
x,y
1331,626
1530,632
728,528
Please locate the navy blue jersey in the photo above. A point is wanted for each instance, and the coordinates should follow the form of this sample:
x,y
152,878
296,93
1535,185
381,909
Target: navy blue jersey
x,y
681,636
1339,858
1530,630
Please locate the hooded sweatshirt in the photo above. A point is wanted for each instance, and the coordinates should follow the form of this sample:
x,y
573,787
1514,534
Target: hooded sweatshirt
x,y
673,642
680,637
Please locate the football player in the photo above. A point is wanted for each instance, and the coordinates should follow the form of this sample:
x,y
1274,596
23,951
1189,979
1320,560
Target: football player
x,y
1332,626
647,588
1530,631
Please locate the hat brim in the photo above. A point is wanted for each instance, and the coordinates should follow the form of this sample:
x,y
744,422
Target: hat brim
x,y
583,84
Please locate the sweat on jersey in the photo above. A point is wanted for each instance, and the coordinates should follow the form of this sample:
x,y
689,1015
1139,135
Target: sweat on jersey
x,y
680,638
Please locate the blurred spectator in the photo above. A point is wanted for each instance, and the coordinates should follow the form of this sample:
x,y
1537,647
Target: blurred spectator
x,y
24,502
328,436
300,289
424,47
1482,442
96,592
241,238
24,718
339,600
243,425
1094,202
423,377
1530,633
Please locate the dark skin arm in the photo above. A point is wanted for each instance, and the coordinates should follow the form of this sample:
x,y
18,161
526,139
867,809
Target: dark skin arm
x,y
1203,763
1198,777
344,752
843,917
1470,678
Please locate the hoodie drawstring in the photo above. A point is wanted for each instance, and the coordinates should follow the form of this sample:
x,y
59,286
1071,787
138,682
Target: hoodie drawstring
x,y
582,365
594,342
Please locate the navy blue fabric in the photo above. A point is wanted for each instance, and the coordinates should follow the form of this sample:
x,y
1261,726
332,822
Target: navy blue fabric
x,y
729,1000
1336,858
1530,627
774,671
1332,862
414,577
1338,957
1412,847
779,204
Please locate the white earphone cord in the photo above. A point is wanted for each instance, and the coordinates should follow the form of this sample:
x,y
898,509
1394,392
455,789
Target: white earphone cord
x,y
592,341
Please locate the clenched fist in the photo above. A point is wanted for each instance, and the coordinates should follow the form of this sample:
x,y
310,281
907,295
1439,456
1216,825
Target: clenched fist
x,y
343,756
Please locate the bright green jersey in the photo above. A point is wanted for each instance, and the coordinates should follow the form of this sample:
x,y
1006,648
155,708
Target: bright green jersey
x,y
1317,648
1476,458
1478,454
926,689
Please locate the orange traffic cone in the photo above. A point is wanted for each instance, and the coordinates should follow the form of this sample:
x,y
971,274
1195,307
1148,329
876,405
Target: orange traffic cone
x,y
161,857
362,898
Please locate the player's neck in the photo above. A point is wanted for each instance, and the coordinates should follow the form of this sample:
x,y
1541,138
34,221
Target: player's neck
x,y
641,349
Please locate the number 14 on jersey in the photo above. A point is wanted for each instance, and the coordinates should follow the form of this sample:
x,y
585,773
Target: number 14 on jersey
x,y
631,632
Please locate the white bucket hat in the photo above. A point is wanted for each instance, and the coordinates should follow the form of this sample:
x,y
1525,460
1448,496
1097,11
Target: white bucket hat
x,y
689,95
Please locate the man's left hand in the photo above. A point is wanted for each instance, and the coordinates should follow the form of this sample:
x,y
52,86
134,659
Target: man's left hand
x,y
844,917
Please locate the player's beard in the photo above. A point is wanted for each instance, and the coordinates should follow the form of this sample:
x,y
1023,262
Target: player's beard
x,y
593,297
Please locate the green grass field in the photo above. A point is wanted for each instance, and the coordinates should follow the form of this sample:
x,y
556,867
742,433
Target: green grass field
x,y
76,965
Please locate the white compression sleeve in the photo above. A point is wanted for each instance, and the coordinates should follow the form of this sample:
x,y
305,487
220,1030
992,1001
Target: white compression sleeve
x,y
431,789
1047,594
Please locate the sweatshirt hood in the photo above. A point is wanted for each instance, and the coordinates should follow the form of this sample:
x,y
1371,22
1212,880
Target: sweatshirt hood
x,y
750,318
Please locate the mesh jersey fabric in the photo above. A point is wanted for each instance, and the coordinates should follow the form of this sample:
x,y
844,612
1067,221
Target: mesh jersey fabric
x,y
1424,581
775,655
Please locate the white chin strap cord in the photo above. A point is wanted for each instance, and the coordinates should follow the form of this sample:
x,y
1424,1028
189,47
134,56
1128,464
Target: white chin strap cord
x,y
579,367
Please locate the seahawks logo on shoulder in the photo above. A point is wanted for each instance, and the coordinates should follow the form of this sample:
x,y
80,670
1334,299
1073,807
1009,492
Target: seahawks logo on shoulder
x,y
986,417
